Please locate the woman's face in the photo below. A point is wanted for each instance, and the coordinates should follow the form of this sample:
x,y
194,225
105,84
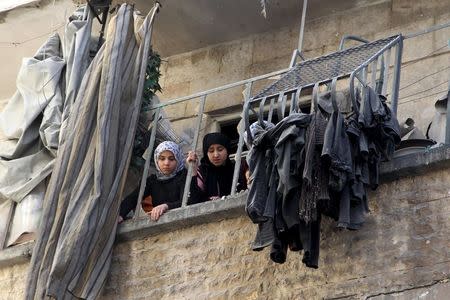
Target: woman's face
x,y
217,154
167,162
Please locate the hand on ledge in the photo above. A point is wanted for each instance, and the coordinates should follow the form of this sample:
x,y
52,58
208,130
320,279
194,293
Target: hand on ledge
x,y
157,212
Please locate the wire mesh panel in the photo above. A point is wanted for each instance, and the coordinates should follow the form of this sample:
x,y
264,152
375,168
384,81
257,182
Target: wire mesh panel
x,y
325,68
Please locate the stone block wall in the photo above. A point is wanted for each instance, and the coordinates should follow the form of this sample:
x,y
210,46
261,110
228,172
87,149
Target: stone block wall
x,y
12,281
404,245
401,252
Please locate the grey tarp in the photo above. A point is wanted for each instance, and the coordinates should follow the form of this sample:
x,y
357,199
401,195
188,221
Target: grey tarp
x,y
27,118
27,151
27,154
37,86
73,250
27,216
5,210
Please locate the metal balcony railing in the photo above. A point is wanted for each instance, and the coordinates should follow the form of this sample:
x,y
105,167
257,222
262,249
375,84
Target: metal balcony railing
x,y
353,64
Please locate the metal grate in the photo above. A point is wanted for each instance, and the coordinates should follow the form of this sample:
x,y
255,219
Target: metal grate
x,y
324,68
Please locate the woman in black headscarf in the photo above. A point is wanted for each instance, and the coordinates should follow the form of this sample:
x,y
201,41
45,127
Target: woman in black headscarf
x,y
214,177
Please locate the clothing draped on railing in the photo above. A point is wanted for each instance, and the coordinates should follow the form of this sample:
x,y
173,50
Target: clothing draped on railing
x,y
320,164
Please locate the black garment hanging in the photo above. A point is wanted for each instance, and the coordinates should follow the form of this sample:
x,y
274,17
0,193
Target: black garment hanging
x,y
314,165
260,163
336,148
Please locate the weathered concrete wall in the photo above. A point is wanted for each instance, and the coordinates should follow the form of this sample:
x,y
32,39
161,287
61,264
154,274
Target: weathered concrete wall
x,y
12,281
217,65
404,245
221,64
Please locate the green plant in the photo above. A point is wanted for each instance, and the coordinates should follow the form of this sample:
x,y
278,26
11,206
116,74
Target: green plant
x,y
151,84
151,87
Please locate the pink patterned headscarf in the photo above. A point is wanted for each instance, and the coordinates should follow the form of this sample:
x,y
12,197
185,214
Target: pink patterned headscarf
x,y
176,151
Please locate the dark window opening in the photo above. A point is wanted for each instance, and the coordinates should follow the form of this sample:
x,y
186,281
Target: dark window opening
x,y
230,130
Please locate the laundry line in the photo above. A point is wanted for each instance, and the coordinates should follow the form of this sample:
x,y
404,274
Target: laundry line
x,y
426,90
424,97
15,44
424,77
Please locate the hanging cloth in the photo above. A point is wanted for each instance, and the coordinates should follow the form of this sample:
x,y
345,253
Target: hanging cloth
x,y
73,251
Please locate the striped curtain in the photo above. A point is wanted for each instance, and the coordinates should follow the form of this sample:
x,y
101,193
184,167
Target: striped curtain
x,y
72,254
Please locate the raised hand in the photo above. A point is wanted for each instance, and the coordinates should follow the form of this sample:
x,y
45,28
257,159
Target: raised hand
x,y
193,158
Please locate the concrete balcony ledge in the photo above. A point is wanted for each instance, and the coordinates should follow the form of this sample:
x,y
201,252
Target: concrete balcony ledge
x,y
416,163
231,207
16,255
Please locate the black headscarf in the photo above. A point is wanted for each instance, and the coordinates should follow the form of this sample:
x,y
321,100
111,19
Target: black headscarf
x,y
218,180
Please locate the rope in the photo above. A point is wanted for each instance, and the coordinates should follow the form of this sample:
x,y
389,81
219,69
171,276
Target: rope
x,y
423,97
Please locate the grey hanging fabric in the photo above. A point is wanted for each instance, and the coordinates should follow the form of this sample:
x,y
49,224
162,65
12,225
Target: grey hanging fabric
x,y
315,172
32,121
73,251
76,46
289,158
260,162
336,151
28,122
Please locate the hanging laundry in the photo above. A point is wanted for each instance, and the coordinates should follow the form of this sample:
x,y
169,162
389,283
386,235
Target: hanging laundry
x,y
309,165
260,164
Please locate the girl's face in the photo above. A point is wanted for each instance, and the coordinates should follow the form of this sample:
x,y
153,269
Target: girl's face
x,y
217,154
167,162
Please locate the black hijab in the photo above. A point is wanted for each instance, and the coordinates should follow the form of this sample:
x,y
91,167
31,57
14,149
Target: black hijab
x,y
218,180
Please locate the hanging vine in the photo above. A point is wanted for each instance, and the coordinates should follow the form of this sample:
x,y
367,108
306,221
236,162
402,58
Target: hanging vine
x,y
151,84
